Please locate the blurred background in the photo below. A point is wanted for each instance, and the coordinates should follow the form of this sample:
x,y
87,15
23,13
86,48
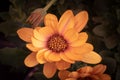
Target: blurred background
x,y
103,29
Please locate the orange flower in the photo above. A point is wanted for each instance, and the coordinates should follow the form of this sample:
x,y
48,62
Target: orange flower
x,y
59,43
86,73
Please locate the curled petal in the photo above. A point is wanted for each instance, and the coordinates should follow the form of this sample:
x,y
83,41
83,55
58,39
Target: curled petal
x,y
25,34
49,69
81,20
30,60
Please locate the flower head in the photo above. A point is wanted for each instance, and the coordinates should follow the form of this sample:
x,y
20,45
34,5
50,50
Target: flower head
x,y
36,17
86,73
59,43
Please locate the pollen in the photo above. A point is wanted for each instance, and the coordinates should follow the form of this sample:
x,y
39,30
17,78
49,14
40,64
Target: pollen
x,y
57,43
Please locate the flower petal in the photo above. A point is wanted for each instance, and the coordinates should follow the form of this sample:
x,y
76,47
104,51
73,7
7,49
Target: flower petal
x,y
104,77
40,56
30,60
63,74
65,58
76,53
51,21
66,21
71,35
81,39
73,56
38,43
54,56
99,69
71,79
85,48
74,74
43,33
81,20
49,69
91,58
25,34
62,65
31,47
47,53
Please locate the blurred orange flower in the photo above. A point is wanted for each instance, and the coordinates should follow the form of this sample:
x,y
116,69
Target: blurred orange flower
x,y
85,73
59,43
36,17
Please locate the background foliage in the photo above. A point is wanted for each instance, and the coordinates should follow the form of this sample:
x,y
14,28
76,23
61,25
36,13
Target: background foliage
x,y
103,29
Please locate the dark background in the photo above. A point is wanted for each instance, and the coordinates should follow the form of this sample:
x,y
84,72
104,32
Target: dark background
x,y
103,29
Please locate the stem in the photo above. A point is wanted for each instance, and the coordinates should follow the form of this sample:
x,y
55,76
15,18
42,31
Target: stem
x,y
49,4
30,74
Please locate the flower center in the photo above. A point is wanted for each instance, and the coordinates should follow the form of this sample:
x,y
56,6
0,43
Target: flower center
x,y
57,43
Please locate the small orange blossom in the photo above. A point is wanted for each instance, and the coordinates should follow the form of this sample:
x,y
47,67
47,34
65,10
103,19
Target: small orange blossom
x,y
59,43
86,73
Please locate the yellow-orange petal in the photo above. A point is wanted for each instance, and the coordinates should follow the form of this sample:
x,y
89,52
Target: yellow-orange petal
x,y
76,53
30,60
82,38
38,43
66,21
65,58
62,65
49,69
32,48
73,56
63,74
99,69
54,56
43,33
81,20
25,34
51,21
40,56
91,58
71,35
83,49
47,53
